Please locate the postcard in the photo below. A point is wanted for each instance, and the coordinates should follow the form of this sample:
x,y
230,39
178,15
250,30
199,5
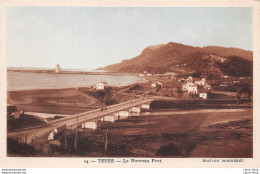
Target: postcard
x,y
130,84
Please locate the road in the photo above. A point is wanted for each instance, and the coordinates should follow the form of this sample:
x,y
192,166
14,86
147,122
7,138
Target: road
x,y
43,131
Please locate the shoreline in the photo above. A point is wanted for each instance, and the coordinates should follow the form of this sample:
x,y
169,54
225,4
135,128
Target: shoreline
x,y
68,88
74,72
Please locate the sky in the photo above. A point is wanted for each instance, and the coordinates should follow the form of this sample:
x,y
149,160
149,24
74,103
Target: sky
x,y
92,37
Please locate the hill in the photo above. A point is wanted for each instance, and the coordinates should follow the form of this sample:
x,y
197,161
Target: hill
x,y
181,59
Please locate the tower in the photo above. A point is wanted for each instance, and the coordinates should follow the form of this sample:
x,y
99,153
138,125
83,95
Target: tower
x,y
58,68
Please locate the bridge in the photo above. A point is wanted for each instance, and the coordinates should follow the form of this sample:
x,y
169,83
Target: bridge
x,y
48,130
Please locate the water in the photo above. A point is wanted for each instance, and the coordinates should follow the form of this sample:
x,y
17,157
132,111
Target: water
x,y
28,81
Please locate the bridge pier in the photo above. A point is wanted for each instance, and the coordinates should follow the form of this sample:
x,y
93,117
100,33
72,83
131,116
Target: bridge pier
x,y
135,109
100,119
121,115
145,106
89,125
109,118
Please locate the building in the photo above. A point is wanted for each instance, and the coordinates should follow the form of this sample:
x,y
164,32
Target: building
x,y
156,84
190,79
10,109
14,115
202,82
101,86
191,88
203,95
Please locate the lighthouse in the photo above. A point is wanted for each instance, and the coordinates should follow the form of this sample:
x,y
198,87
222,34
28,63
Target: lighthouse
x,y
58,68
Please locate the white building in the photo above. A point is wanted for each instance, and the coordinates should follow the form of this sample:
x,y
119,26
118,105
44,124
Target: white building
x,y
190,79
202,82
203,95
191,88
101,85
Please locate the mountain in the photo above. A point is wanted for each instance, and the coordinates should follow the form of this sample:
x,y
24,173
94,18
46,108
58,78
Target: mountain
x,y
181,59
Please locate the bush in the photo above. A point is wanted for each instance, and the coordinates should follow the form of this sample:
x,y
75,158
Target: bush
x,y
17,148
168,150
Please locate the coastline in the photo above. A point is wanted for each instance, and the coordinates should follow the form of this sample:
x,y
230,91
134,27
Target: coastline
x,y
72,72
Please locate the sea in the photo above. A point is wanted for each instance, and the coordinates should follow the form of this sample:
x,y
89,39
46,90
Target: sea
x,y
17,81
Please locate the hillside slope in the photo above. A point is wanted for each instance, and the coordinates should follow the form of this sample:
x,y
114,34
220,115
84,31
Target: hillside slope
x,y
180,59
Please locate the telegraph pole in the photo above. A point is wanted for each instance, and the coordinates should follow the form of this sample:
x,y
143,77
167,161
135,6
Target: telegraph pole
x,y
106,143
76,137
65,143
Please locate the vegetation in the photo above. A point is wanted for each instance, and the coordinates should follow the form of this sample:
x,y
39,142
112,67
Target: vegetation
x,y
104,96
23,122
17,148
169,150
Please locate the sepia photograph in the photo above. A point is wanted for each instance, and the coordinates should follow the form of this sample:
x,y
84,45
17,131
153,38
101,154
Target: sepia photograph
x,y
129,82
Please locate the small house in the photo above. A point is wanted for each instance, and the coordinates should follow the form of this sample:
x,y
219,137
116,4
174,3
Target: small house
x,y
101,86
203,93
190,79
191,88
